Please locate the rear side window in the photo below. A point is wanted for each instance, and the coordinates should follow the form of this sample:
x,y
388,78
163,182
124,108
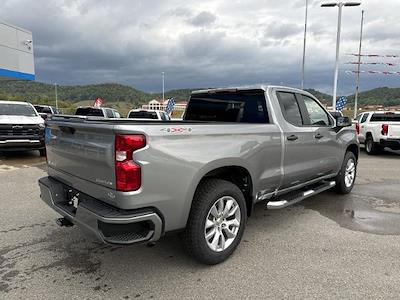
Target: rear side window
x,y
290,108
364,118
163,116
385,117
143,115
89,111
239,107
43,109
109,113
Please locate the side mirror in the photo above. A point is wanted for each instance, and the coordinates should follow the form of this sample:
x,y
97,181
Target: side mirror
x,y
343,122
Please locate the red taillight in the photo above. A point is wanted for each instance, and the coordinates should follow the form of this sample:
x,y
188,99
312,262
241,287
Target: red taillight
x,y
127,172
385,129
358,128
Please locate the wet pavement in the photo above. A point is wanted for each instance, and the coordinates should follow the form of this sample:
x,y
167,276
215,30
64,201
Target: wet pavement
x,y
374,204
328,246
20,159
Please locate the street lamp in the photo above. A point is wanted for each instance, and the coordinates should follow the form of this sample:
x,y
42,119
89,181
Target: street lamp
x,y
56,94
304,47
340,6
163,86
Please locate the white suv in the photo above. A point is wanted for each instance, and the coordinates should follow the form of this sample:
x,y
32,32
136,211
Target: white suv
x,y
378,129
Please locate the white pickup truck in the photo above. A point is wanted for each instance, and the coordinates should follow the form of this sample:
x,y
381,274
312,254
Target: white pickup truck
x,y
378,129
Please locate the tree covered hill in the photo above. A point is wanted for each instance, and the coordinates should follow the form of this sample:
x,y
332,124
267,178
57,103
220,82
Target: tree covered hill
x,y
114,94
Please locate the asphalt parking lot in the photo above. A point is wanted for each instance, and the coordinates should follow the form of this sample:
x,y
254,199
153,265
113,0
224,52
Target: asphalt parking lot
x,y
328,246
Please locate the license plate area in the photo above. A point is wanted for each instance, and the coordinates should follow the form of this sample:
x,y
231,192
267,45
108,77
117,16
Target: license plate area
x,y
70,201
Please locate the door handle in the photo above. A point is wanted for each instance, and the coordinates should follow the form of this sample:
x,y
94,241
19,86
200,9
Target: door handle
x,y
318,136
292,137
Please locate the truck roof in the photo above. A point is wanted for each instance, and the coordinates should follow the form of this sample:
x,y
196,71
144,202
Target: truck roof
x,y
246,88
381,112
14,102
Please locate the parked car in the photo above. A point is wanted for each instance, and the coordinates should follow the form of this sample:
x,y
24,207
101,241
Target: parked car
x,y
46,111
130,182
104,112
378,129
21,127
148,115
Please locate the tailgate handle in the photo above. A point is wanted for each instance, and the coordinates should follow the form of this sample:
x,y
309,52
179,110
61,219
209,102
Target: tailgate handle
x,y
66,129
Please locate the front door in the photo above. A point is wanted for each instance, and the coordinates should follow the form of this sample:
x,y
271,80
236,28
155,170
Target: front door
x,y
326,149
299,157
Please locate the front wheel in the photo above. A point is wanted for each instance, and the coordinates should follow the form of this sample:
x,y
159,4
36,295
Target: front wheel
x,y
216,221
42,152
347,175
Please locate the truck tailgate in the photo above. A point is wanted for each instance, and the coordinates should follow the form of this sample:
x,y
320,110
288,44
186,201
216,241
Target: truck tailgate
x,y
394,130
82,150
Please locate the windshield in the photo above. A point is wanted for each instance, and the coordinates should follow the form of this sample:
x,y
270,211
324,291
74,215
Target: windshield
x,y
43,109
89,111
143,115
9,109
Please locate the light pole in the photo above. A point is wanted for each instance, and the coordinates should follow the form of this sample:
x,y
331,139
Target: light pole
x,y
358,67
339,25
163,86
304,47
55,92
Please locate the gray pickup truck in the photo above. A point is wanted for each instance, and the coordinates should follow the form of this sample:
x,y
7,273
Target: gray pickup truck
x,y
131,181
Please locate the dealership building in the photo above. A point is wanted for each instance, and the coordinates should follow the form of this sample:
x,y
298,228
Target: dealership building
x,y
16,53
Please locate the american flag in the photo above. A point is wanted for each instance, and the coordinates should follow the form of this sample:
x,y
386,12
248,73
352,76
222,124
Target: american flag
x,y
170,106
340,103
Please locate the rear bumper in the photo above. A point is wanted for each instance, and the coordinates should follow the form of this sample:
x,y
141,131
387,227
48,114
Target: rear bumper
x,y
390,143
109,224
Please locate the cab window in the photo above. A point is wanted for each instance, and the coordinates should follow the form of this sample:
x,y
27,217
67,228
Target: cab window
x,y
317,116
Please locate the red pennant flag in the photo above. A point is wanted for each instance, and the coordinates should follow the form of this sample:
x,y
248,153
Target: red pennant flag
x,y
98,102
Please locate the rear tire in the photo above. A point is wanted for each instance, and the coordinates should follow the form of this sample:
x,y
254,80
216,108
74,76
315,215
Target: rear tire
x,y
371,147
216,221
42,152
347,175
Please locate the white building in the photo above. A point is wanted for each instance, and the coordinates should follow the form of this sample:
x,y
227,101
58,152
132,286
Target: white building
x,y
16,53
160,105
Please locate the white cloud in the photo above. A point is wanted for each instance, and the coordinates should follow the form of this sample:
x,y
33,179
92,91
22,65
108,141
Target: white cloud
x,y
207,43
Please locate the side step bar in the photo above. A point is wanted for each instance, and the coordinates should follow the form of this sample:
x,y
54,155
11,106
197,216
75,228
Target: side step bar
x,y
297,196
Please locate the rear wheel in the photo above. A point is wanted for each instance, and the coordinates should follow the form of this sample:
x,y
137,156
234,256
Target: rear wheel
x,y
370,146
347,175
216,221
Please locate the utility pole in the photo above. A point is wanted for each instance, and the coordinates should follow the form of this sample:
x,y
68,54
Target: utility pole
x,y
358,67
304,47
55,92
